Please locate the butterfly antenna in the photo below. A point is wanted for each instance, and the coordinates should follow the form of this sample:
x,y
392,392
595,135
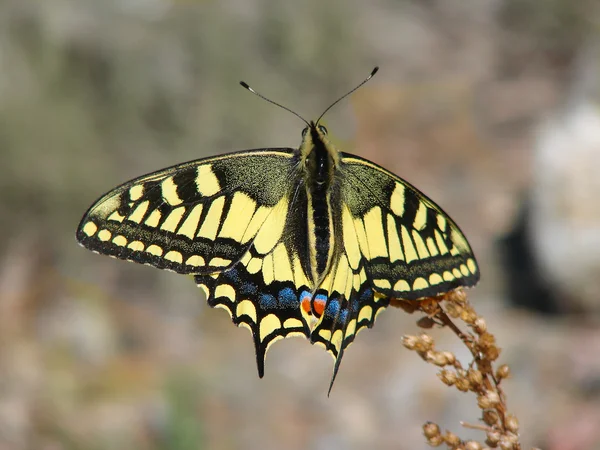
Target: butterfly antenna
x,y
247,86
373,72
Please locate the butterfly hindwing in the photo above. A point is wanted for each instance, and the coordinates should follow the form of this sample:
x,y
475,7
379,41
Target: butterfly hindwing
x,y
410,247
263,291
196,217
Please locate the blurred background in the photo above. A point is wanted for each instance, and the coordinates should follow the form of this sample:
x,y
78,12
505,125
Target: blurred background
x,y
491,107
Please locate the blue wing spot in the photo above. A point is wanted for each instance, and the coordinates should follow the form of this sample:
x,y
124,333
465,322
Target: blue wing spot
x,y
333,308
287,298
343,317
267,301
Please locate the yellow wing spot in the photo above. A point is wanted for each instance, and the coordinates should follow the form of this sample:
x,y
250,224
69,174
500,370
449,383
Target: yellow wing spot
x,y
374,229
90,229
219,262
210,225
382,284
268,269
434,279
454,251
337,338
153,218
350,239
281,264
138,214
206,181
116,217
409,248
397,200
195,260
293,323
227,291
356,281
420,283
366,312
240,213
190,224
440,243
420,221
104,235
259,217
394,240
247,308
254,266
361,236
169,192
325,334
441,222
433,250
464,270
270,232
456,273
447,276
471,265
173,219
154,250
136,192
269,324
421,247
402,286
351,328
136,246
120,240
174,256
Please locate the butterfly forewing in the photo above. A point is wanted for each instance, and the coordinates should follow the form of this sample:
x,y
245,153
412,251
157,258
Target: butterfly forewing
x,y
197,217
410,248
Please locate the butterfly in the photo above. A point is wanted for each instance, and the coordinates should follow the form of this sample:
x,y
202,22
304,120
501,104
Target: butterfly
x,y
307,242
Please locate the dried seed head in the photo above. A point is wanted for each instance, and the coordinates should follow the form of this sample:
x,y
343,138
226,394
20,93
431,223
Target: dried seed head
x,y
454,310
473,445
452,439
462,384
468,316
475,377
480,326
487,340
427,341
503,372
512,424
506,444
491,417
492,438
431,430
437,358
450,358
448,377
410,341
491,353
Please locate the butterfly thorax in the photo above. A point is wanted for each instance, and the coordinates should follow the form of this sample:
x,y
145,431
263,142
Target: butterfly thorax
x,y
320,160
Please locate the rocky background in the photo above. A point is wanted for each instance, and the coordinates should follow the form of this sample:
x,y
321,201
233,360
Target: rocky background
x,y
489,106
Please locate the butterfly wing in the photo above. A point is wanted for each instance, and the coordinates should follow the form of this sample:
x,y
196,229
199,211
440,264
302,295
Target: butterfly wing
x,y
196,217
234,221
391,242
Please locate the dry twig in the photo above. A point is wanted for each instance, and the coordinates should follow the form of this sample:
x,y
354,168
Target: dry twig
x,y
479,377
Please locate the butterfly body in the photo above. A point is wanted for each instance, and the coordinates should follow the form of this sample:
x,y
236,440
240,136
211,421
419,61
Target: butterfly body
x,y
310,242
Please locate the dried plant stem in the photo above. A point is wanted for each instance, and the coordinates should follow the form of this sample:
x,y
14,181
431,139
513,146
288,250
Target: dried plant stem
x,y
479,377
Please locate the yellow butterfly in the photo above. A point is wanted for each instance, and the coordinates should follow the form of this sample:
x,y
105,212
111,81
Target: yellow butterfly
x,y
308,241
